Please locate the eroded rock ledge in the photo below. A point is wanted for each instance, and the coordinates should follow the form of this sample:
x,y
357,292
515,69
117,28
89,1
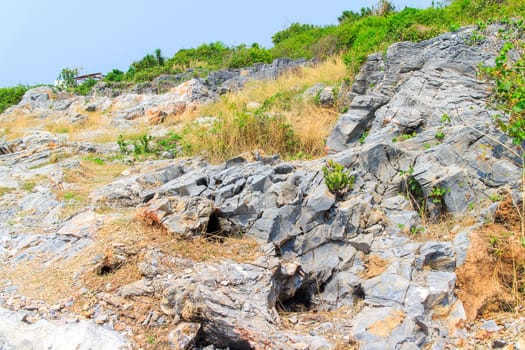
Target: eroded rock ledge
x,y
321,252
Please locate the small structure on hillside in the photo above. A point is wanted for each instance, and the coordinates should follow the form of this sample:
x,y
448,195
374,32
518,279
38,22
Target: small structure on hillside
x,y
81,78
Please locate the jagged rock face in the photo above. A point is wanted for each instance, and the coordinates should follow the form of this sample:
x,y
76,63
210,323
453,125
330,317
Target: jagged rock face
x,y
322,250
15,334
407,91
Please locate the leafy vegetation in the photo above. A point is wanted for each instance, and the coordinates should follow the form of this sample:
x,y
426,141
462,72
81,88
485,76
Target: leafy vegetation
x,y
337,178
508,96
10,96
147,146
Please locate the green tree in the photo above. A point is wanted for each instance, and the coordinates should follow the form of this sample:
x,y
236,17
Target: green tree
x,y
158,56
66,78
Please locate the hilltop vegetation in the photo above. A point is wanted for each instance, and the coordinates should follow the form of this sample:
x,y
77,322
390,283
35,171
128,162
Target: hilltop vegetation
x,y
357,35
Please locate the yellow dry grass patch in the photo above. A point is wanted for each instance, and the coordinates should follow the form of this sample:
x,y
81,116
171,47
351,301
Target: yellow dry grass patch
x,y
64,278
18,124
292,126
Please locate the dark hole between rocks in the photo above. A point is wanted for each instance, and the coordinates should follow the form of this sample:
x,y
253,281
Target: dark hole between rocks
x,y
148,197
302,300
358,293
108,266
219,341
214,224
5,149
202,182
105,270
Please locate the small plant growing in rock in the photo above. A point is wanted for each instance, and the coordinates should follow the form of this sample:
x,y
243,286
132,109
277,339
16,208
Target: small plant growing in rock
x,y
413,190
437,193
445,118
337,179
404,137
440,136
363,137
146,145
415,230
94,159
122,145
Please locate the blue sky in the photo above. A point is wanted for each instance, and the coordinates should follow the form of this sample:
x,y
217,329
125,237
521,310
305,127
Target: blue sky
x,y
40,37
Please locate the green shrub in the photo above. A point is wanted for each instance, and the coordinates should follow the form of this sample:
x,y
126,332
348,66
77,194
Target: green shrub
x,y
337,179
10,96
242,56
85,87
509,90
115,76
148,146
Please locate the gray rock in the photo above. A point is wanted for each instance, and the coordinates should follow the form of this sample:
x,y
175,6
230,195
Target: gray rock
x,y
326,97
137,288
234,304
314,90
461,244
16,334
441,288
386,290
490,326
383,328
183,336
415,300
437,255
37,98
181,216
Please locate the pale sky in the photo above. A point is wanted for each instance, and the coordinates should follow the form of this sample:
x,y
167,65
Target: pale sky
x,y
40,37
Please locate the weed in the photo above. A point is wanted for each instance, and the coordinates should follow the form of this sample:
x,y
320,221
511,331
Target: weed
x,y
404,137
471,205
509,96
170,143
415,230
445,118
70,196
146,146
453,27
437,193
94,159
496,198
337,179
28,186
427,145
363,137
440,136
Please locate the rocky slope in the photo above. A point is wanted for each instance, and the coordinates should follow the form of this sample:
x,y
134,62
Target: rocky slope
x,y
330,271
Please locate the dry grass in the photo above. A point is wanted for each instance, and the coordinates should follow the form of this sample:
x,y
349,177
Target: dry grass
x,y
493,276
120,228
308,322
287,124
18,124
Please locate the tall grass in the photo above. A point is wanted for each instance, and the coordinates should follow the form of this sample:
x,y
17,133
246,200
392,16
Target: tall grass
x,y
283,121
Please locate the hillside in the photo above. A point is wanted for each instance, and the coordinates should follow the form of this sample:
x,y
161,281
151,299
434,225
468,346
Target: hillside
x,y
364,200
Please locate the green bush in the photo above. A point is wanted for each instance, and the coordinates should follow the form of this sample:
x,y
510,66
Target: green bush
x,y
243,56
85,87
337,179
10,96
146,145
115,76
509,90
